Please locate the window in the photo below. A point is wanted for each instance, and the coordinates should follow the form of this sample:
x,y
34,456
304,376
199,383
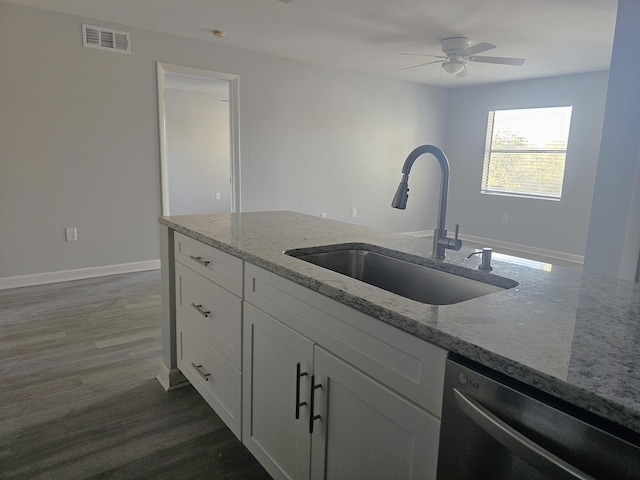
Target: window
x,y
525,152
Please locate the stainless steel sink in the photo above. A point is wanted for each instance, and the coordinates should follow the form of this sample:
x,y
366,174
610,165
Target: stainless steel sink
x,y
426,284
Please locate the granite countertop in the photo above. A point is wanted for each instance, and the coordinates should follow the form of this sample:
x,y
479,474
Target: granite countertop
x,y
571,335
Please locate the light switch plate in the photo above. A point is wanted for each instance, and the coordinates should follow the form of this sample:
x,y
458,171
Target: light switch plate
x,y
71,234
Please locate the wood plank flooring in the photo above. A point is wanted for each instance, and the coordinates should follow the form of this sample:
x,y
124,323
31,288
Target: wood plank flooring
x,y
78,395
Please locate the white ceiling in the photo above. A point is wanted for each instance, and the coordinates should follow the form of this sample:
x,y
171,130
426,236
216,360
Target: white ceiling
x,y
556,37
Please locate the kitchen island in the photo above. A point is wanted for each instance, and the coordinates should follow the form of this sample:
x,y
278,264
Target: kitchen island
x,y
570,335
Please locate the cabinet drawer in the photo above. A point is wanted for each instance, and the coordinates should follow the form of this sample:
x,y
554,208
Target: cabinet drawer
x,y
410,366
217,266
211,311
219,383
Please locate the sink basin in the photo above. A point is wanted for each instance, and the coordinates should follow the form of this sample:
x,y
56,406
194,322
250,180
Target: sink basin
x,y
382,268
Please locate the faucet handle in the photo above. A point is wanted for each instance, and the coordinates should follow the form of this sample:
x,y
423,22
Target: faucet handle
x,y
457,243
448,242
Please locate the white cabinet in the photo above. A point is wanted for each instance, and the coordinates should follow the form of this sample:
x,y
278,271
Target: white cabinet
x,y
366,431
208,285
213,312
219,383
278,363
402,362
219,267
313,388
361,427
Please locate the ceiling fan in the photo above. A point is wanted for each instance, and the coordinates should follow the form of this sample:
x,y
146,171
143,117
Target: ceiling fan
x,y
458,51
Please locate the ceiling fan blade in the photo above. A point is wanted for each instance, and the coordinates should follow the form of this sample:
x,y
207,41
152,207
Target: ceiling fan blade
x,y
499,60
419,65
480,47
423,55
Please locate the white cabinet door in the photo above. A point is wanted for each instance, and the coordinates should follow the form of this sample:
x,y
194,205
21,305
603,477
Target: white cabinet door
x,y
272,355
366,431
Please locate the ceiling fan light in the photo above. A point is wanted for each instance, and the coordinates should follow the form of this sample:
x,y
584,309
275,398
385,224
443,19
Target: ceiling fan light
x,y
453,66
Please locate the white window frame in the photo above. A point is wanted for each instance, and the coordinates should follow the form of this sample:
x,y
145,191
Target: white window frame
x,y
485,188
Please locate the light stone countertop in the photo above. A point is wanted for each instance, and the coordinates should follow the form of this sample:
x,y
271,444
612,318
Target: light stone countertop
x,y
573,336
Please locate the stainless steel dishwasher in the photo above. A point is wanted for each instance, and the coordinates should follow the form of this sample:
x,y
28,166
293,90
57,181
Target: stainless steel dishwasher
x,y
495,428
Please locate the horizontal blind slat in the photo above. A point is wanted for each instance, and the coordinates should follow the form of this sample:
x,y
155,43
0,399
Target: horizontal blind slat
x,y
516,164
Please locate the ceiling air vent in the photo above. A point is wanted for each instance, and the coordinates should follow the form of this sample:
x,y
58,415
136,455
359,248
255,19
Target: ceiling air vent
x,y
105,39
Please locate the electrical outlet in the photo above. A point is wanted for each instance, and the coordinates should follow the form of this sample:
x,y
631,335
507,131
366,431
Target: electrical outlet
x,y
505,218
323,215
354,212
217,195
71,234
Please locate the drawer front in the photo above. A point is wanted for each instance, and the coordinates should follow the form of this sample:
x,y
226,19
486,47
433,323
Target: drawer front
x,y
219,383
410,366
212,312
217,266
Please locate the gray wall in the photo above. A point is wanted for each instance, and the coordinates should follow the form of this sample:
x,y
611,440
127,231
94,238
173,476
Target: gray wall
x,y
198,153
79,146
560,226
79,141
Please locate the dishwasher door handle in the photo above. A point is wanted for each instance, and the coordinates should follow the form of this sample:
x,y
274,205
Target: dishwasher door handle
x,y
522,446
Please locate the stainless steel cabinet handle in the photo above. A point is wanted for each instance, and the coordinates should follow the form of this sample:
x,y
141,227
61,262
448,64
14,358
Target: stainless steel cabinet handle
x,y
525,448
312,417
199,260
204,313
298,402
203,373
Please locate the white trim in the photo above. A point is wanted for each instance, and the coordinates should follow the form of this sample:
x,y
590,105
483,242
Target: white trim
x,y
77,274
543,252
171,379
234,127
567,257
420,233
162,133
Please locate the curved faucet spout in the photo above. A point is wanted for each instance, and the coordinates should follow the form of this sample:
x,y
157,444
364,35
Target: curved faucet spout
x,y
444,180
440,240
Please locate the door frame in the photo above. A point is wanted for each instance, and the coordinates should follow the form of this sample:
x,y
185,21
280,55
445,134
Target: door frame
x,y
234,129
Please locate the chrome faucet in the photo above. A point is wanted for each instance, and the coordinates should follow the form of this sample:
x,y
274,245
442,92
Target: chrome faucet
x,y
440,240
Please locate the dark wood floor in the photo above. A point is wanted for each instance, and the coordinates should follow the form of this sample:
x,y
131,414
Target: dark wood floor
x,y
78,395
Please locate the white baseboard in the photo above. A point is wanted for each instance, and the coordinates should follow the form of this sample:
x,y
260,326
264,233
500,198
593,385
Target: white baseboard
x,y
420,233
77,274
543,252
489,242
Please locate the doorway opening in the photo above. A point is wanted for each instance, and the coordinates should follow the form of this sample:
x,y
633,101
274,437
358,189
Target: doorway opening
x,y
199,144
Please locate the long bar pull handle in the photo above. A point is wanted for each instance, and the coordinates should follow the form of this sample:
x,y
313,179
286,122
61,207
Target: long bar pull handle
x,y
312,417
204,313
203,373
199,260
298,402
525,448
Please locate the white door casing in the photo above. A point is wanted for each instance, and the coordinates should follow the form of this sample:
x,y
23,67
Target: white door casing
x,y
163,70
